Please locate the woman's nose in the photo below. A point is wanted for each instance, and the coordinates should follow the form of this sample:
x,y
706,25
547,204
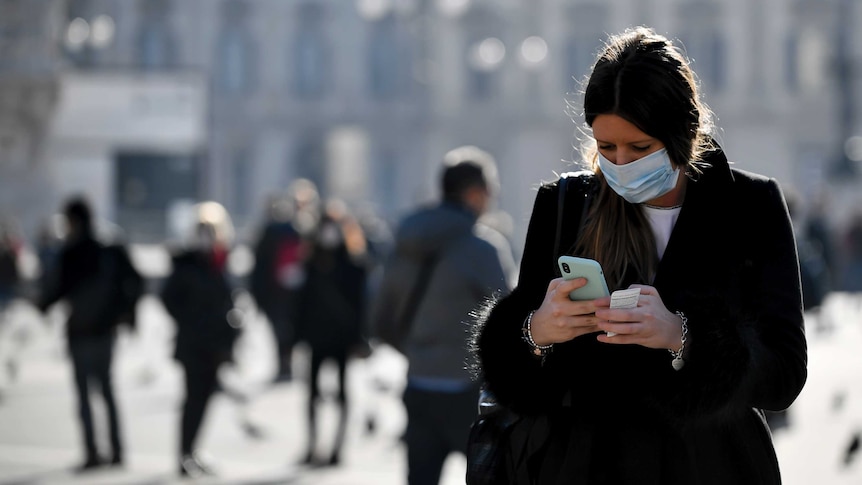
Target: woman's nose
x,y
623,157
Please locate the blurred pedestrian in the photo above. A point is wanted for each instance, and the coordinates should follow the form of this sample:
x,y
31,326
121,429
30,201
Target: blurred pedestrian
x,y
813,267
10,246
102,288
49,241
198,296
278,272
852,275
819,234
331,315
10,279
276,278
669,392
443,266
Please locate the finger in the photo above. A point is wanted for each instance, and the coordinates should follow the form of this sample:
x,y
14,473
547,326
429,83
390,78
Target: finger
x,y
567,286
618,315
554,283
646,289
585,320
603,302
579,309
617,339
619,328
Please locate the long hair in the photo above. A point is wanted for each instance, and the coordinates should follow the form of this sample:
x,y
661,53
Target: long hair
x,y
643,78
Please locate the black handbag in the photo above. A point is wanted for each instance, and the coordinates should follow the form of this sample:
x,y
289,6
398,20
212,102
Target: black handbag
x,y
498,443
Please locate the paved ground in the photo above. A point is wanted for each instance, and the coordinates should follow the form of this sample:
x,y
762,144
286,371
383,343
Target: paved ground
x,y
39,441
39,436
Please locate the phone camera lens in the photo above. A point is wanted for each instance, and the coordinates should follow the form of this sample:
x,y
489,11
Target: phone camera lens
x,y
566,267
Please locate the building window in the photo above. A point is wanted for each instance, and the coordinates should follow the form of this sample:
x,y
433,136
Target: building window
x,y
88,33
243,193
310,160
234,63
702,41
236,55
311,54
584,40
387,180
579,57
706,50
148,185
791,62
485,53
386,59
156,44
806,63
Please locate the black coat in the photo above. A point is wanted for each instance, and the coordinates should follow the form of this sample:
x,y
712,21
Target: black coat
x,y
198,297
99,282
276,298
332,301
731,267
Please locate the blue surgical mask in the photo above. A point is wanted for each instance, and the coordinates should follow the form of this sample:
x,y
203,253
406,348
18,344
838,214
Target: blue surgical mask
x,y
644,179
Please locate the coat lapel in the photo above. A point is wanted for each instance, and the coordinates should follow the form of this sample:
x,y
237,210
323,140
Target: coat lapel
x,y
700,231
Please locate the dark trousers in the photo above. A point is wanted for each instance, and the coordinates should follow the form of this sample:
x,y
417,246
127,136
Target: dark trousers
x,y
317,359
438,423
280,319
201,384
91,360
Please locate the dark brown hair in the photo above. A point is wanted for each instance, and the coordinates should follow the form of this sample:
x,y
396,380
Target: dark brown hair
x,y
643,78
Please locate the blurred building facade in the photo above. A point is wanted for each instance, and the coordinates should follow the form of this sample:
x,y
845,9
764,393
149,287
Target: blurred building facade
x,y
150,104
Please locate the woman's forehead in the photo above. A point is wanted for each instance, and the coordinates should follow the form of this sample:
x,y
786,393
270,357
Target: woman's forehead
x,y
613,128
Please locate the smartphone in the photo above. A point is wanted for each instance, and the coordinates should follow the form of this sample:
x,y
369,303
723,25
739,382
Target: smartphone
x,y
572,267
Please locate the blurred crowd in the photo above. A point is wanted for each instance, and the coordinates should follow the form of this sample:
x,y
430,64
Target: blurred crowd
x,y
314,261
317,267
317,270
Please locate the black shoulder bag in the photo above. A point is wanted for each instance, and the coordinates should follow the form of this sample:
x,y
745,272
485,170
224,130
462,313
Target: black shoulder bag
x,y
491,456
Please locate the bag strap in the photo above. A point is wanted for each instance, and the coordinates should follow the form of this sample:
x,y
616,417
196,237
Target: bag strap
x,y
416,294
561,204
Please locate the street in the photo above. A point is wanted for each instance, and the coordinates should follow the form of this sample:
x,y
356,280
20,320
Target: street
x,y
260,441
259,437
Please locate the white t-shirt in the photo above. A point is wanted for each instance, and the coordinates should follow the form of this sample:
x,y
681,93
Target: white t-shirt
x,y
662,221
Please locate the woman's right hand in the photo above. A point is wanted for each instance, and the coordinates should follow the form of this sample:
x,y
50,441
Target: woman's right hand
x,y
560,319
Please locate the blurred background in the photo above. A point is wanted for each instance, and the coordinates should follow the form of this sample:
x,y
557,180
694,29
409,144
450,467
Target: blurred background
x,y
151,106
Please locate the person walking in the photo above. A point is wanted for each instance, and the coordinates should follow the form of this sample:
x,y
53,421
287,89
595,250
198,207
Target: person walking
x,y
331,315
102,288
277,276
198,297
10,289
670,392
851,277
443,266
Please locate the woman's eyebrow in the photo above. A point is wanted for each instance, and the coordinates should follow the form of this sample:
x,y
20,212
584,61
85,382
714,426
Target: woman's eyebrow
x,y
634,142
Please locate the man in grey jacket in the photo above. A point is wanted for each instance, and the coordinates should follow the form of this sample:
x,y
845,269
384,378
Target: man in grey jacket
x,y
445,264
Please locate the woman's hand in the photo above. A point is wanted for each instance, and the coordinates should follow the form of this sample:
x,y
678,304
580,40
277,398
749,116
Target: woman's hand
x,y
651,324
560,319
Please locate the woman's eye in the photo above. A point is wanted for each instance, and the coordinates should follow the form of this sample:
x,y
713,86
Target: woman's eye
x,y
605,147
641,149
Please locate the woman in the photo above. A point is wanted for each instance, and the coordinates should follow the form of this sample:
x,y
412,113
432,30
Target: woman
x,y
711,249
331,310
197,295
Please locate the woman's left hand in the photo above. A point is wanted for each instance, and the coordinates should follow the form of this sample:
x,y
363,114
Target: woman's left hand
x,y
651,324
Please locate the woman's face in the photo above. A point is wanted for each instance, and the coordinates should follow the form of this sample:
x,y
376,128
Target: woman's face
x,y
620,141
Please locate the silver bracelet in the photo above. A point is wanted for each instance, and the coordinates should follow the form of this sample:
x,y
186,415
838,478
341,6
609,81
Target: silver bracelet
x,y
527,331
678,361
